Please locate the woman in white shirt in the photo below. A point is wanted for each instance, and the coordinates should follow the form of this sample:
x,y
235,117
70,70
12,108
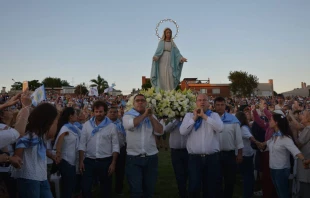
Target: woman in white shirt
x,y
32,175
280,147
247,165
66,146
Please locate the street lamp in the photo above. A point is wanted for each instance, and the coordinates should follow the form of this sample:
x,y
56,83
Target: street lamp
x,y
14,86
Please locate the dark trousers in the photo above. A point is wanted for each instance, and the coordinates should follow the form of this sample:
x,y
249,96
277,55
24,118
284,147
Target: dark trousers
x,y
280,180
78,183
247,171
227,177
120,170
203,171
179,159
10,183
269,190
68,176
97,167
141,174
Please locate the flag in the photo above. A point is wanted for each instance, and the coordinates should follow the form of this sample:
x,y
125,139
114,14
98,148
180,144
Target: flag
x,y
38,96
93,91
109,89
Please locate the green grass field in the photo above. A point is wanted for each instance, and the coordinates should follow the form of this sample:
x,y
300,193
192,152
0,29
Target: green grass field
x,y
166,184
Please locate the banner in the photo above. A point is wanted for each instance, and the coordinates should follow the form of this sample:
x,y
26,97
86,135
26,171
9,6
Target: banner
x,y
93,91
38,96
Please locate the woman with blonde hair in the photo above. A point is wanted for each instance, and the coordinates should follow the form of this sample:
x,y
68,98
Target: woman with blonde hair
x,y
167,63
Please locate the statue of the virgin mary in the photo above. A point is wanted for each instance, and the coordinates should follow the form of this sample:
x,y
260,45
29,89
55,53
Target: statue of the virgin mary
x,y
167,64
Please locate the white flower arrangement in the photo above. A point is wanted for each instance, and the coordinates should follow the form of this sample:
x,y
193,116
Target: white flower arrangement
x,y
167,103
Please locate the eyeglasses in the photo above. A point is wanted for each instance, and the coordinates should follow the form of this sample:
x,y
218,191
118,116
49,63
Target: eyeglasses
x,y
140,100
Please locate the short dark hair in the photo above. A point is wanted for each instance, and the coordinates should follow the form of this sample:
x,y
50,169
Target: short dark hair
x,y
219,99
115,108
100,103
227,108
280,96
242,118
139,95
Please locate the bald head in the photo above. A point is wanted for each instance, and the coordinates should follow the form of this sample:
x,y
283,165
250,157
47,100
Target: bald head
x,y
202,101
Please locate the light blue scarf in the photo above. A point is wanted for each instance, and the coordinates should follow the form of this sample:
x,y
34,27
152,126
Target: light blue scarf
x,y
78,125
26,142
72,128
199,120
120,127
179,124
135,113
228,118
104,123
276,134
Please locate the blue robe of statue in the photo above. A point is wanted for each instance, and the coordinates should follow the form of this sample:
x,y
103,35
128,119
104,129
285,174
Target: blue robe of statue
x,y
175,64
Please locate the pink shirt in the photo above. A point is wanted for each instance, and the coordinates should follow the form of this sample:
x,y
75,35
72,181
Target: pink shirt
x,y
263,124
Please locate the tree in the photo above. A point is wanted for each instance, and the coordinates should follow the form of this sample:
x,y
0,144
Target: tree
x,y
81,89
275,93
64,83
242,83
33,85
54,82
17,86
133,91
100,83
147,84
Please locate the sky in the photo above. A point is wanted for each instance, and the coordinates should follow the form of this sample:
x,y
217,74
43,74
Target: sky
x,y
77,40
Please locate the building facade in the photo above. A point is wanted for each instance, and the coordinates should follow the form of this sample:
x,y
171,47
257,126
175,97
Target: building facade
x,y
206,87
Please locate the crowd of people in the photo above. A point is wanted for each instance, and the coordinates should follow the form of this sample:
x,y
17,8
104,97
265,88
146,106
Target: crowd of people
x,y
87,140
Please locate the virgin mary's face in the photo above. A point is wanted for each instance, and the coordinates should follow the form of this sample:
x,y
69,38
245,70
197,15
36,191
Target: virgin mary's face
x,y
168,34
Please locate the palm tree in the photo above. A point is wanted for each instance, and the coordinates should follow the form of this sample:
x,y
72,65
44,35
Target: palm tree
x,y
100,83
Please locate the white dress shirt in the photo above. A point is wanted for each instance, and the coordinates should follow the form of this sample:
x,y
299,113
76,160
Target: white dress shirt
x,y
140,140
7,136
246,135
206,139
70,144
176,140
231,138
279,152
103,144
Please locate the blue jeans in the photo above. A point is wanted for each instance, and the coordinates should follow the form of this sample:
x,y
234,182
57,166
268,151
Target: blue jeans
x,y
203,170
179,159
247,171
280,180
93,168
28,188
68,176
141,173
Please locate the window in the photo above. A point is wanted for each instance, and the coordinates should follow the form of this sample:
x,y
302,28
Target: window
x,y
216,91
203,91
